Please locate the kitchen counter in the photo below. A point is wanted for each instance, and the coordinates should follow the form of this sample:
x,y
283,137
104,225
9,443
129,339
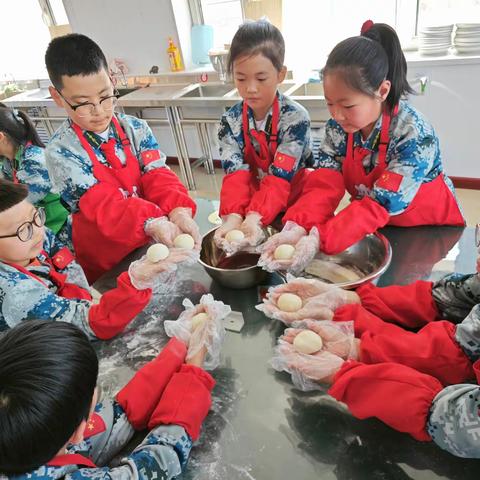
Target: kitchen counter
x,y
259,426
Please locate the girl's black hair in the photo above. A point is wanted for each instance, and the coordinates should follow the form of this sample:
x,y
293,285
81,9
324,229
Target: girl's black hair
x,y
18,127
260,37
365,61
48,374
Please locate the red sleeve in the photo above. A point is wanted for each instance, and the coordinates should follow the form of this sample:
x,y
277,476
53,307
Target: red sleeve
x,y
185,401
432,350
141,395
270,199
397,395
117,308
355,221
118,218
236,193
411,306
321,195
163,188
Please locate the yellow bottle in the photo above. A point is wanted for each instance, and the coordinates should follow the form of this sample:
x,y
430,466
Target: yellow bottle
x,y
174,56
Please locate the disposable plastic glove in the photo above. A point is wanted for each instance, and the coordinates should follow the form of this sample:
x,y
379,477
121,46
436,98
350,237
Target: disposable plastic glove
x,y
162,230
210,335
182,218
306,247
229,222
145,274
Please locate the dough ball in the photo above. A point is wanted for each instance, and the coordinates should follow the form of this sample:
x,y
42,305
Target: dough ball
x,y
157,252
289,302
307,342
184,241
234,236
284,252
199,320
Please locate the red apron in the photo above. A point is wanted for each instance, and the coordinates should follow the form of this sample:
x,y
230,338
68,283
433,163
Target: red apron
x,y
65,289
434,203
96,252
260,162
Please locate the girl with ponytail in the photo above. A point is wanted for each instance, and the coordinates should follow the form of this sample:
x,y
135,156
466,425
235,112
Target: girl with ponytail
x,y
376,146
22,154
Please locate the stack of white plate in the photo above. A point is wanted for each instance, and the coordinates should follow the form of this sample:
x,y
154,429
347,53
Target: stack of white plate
x,y
435,40
467,38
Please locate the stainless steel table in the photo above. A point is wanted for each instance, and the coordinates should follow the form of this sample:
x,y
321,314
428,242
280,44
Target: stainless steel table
x,y
260,427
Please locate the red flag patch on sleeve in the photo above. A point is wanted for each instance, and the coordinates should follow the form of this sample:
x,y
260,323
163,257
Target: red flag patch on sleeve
x,y
63,258
283,161
95,425
390,181
149,156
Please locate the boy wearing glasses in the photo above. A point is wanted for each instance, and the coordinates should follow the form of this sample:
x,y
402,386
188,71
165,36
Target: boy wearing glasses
x,y
40,280
108,167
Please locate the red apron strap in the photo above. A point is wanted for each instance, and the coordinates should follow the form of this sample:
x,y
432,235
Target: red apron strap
x,y
273,140
385,138
86,145
71,459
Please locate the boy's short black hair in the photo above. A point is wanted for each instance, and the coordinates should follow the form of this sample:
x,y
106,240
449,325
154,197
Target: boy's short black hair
x,y
11,194
73,54
48,374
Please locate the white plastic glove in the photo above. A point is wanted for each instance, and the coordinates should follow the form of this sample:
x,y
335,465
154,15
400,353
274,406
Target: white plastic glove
x,y
145,274
253,229
310,371
210,335
162,230
306,247
319,299
182,218
233,221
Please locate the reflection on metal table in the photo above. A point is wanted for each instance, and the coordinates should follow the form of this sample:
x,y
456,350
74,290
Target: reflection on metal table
x,y
259,426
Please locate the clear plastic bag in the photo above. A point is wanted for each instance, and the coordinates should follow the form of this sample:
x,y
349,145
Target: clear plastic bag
x,y
211,334
315,371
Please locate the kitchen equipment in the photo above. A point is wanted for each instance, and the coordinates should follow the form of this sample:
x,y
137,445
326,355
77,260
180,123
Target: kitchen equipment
x,y
238,271
369,258
435,40
219,59
467,38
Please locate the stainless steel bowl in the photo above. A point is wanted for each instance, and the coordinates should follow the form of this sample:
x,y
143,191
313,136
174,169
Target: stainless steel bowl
x,y
246,277
369,258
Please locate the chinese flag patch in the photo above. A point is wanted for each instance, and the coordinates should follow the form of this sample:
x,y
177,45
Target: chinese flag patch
x,y
63,258
283,161
150,156
390,181
95,425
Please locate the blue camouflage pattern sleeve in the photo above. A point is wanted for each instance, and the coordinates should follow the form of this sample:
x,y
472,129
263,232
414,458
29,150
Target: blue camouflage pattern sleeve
x,y
454,422
32,172
467,334
331,149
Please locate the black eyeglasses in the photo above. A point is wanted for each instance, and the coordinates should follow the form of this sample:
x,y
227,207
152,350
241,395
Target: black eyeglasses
x,y
25,231
88,108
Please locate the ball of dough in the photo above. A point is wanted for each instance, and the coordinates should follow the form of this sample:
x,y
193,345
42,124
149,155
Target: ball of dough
x,y
307,342
284,252
289,302
184,241
234,236
199,320
157,252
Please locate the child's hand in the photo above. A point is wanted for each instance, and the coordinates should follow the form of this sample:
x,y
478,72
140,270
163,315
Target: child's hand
x,y
182,218
306,247
162,230
253,230
233,221
145,274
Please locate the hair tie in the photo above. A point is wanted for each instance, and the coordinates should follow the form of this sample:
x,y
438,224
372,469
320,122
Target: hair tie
x,y
367,25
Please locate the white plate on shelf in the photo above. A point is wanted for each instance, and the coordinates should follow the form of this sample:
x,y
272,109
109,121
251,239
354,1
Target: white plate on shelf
x,y
469,50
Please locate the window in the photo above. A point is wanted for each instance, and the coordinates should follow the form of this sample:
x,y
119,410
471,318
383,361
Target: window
x,y
225,16
445,12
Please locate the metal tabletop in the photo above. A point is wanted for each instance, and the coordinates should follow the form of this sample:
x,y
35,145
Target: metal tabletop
x,y
260,427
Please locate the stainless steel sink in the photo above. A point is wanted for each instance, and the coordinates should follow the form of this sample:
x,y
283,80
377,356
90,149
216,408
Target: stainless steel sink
x,y
205,91
282,88
125,90
308,90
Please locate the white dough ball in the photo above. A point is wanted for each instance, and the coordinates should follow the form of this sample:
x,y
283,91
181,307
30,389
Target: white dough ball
x,y
157,252
284,252
199,320
307,342
289,302
234,236
184,240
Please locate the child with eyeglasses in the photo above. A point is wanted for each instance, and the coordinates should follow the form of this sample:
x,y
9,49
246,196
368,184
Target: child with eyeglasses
x,y
107,166
40,279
